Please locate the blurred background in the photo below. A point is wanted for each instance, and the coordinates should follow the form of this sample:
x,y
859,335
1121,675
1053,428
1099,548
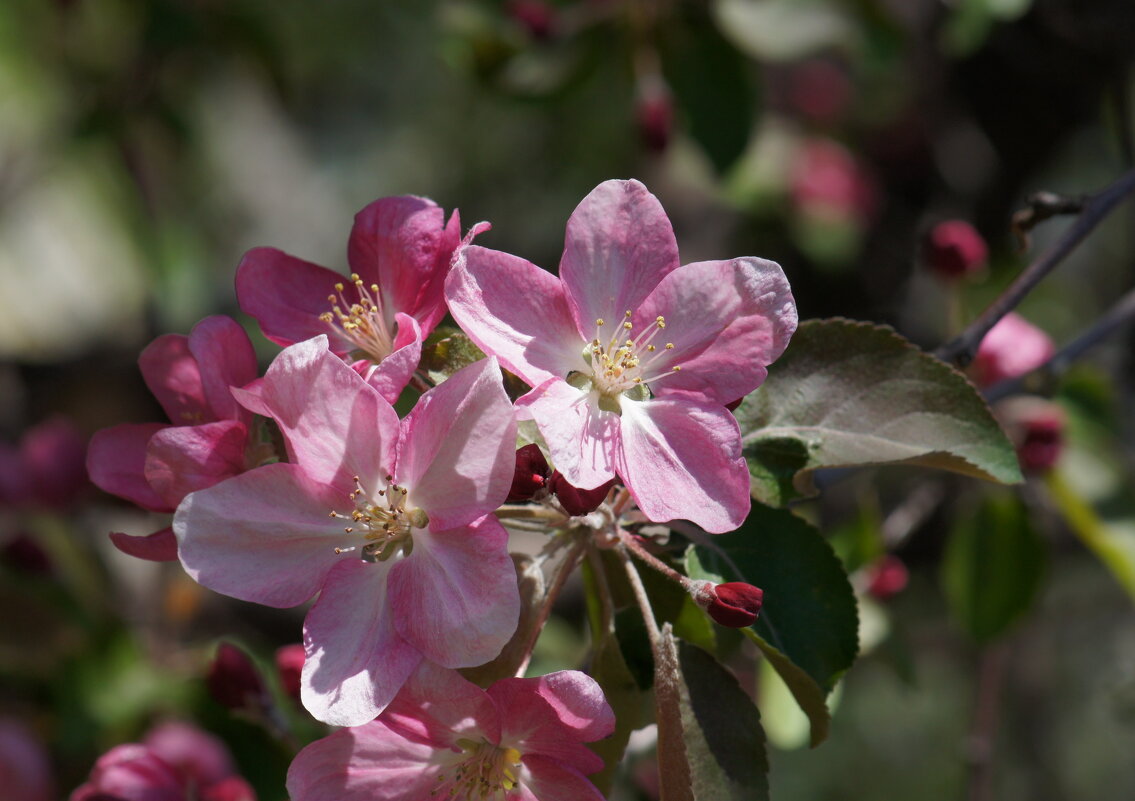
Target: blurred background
x,y
145,146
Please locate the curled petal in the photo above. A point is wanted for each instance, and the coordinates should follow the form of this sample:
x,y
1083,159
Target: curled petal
x,y
392,374
184,459
161,546
225,359
116,461
173,375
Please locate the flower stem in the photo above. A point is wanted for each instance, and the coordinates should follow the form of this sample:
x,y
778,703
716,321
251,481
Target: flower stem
x,y
563,571
634,546
642,598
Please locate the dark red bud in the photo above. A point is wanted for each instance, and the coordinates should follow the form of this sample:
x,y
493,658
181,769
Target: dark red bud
x,y
954,249
1043,442
575,500
735,604
654,113
888,577
233,679
289,664
531,474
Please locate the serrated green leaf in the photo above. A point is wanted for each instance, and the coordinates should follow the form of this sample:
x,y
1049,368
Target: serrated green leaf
x,y
855,394
808,627
711,746
993,566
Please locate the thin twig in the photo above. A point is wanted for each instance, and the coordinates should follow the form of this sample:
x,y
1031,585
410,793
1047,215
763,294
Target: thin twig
x,y
563,571
642,598
962,348
986,721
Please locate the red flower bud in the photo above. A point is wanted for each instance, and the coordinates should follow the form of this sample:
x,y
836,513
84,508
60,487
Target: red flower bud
x,y
654,113
954,249
887,578
531,474
233,679
734,604
575,500
289,664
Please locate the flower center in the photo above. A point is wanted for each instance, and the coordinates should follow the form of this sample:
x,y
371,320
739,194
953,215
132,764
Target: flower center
x,y
362,321
385,525
627,362
484,771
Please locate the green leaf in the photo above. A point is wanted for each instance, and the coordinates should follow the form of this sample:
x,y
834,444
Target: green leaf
x,y
993,566
446,351
711,746
1113,542
850,394
808,627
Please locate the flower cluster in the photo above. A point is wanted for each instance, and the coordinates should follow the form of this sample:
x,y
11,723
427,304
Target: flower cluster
x,y
306,483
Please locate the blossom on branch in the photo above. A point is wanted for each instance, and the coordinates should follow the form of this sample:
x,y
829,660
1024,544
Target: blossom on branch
x,y
389,521
632,357
443,739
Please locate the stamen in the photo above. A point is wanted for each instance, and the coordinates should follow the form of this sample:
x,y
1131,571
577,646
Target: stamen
x,y
363,322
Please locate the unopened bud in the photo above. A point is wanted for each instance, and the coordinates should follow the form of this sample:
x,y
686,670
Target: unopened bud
x,y
1012,348
531,474
654,112
1036,427
289,665
887,578
535,16
577,501
954,249
233,679
734,604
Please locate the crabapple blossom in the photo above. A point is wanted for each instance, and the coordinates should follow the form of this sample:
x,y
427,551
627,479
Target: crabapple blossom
x,y
156,465
389,521
1012,348
632,357
445,739
399,253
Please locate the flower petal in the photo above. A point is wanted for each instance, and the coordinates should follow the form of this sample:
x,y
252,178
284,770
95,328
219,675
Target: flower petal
x,y
515,311
550,780
225,359
116,460
440,706
582,438
355,662
455,595
404,245
262,536
161,546
728,320
286,295
173,375
458,451
364,763
392,374
682,460
619,245
184,459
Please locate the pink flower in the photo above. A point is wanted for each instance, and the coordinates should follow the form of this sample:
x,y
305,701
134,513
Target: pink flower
x,y
399,252
954,249
156,465
632,357
445,738
387,520
1012,348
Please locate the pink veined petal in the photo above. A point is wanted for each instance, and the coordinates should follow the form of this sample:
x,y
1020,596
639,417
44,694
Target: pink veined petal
x,y
404,245
550,780
225,359
455,596
365,763
336,426
681,460
553,714
458,447
392,374
161,546
286,295
439,706
116,460
184,459
132,772
619,245
355,660
174,377
263,536
583,439
728,321
515,311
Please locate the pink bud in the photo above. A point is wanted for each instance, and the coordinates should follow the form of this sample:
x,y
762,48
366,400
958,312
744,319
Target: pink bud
x,y
887,577
234,788
826,181
531,474
289,665
1012,348
954,249
734,604
233,679
575,500
1043,443
654,112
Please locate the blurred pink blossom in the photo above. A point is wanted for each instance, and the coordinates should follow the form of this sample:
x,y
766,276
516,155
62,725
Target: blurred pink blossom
x,y
25,772
1012,348
47,469
954,249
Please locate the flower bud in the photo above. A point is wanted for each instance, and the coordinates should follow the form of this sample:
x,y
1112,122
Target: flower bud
x,y
734,604
1012,348
233,679
289,665
887,578
535,16
234,788
1043,442
954,249
654,112
576,501
531,474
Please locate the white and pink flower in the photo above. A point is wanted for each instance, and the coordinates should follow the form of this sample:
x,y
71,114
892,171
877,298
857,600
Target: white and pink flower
x,y
443,738
632,357
389,521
